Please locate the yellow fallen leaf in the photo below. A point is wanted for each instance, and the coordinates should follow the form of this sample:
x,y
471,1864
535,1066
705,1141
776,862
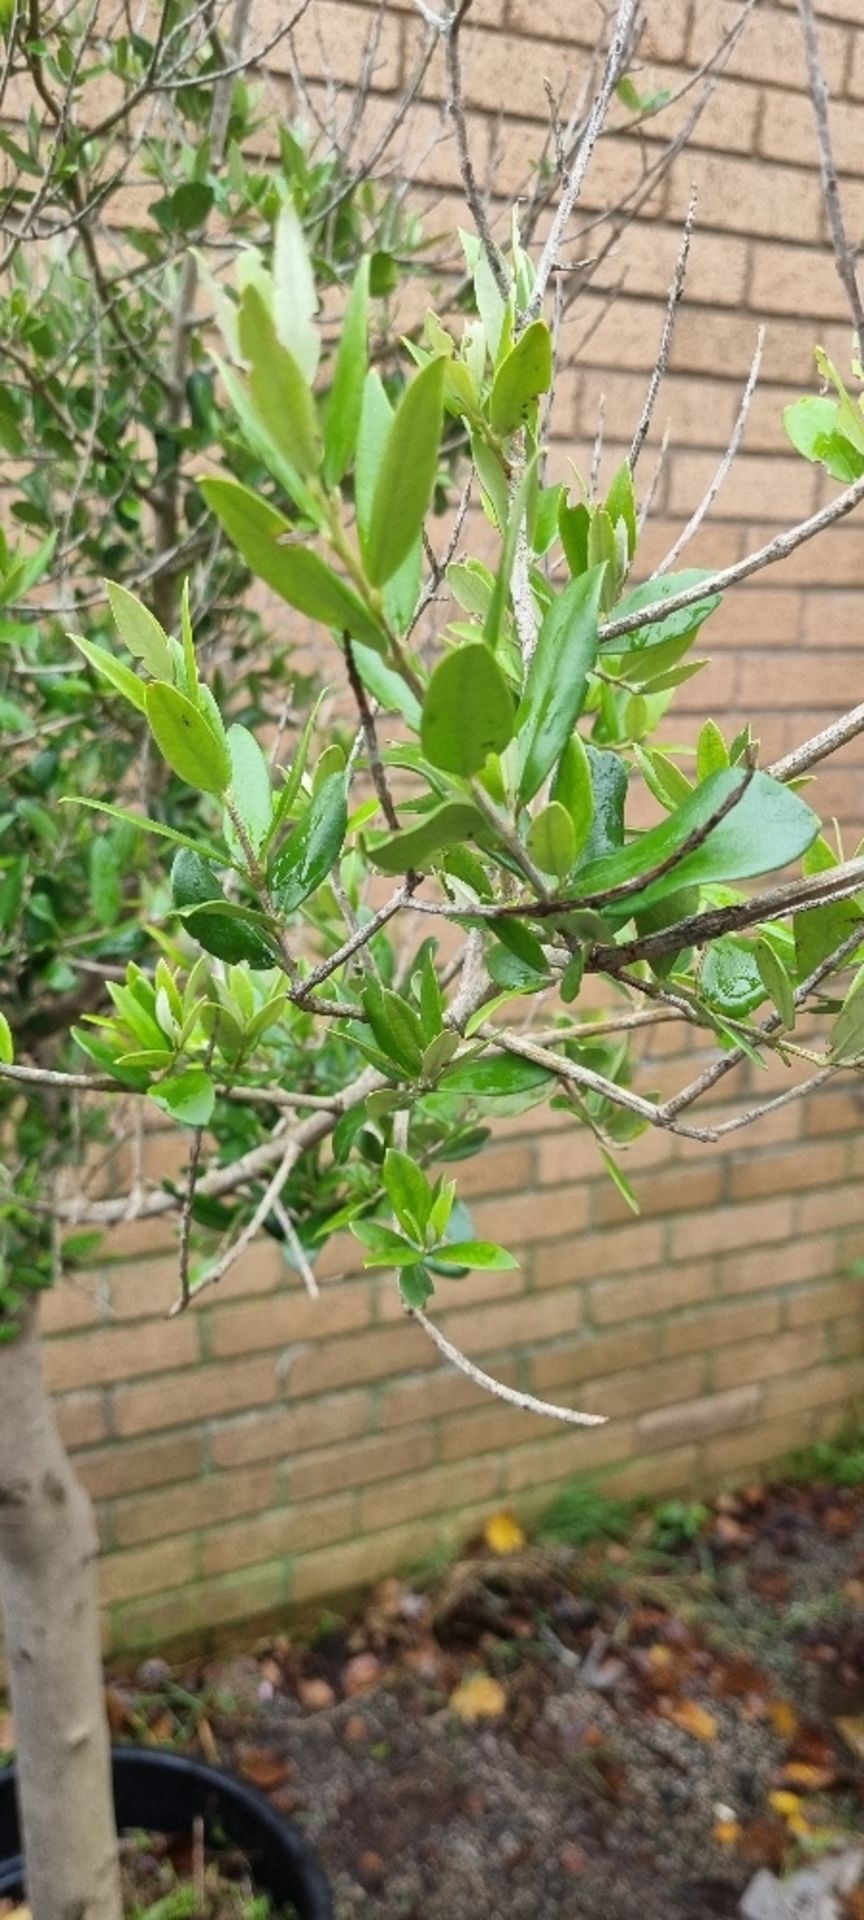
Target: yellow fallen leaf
x,y
503,1534
851,1729
726,1832
802,1773
691,1718
786,1803
479,1697
660,1656
783,1718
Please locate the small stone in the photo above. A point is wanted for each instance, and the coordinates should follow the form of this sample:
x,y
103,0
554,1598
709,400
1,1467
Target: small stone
x,y
370,1867
153,1674
356,1729
361,1673
315,1694
573,1858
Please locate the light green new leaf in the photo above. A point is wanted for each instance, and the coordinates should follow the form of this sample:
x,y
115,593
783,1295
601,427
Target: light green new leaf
x,y
306,859
767,829
408,1191
482,1254
188,1097
730,979
523,375
552,840
776,981
294,572
712,753
295,301
345,400
7,1050
121,678
406,474
280,392
813,426
386,1248
557,679
516,511
186,740
621,504
251,788
140,630
415,848
468,711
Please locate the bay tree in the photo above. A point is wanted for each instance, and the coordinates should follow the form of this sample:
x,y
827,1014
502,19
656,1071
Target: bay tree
x,y
330,923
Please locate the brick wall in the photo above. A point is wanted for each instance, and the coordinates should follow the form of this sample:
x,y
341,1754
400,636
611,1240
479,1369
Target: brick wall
x,y
266,1449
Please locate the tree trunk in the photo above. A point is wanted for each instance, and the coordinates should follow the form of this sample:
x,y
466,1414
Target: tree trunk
x,y
48,1590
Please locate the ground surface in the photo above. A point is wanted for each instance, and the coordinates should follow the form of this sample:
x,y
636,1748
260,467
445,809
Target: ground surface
x,y
554,1731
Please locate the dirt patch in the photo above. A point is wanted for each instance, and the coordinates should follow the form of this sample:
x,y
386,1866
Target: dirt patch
x,y
602,1732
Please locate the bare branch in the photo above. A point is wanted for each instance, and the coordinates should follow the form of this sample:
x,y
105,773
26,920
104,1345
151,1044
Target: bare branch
x,y
844,257
707,501
514,1398
658,373
819,747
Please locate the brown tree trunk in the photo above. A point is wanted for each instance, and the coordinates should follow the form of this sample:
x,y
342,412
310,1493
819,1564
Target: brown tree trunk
x,y
48,1591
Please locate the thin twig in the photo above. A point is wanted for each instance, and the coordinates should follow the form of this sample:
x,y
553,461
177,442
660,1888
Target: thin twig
x,y
658,371
709,497
514,1398
844,257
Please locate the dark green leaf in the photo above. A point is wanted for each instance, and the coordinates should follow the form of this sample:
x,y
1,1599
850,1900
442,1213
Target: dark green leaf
x,y
228,936
409,1193
573,527
776,981
609,788
496,1077
686,621
312,850
767,829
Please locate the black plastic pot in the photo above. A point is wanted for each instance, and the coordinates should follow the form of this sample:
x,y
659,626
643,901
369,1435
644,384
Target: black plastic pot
x,y
164,1793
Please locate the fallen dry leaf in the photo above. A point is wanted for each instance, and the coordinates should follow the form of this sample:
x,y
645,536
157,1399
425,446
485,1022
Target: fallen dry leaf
x,y
315,1694
479,1697
693,1719
726,1832
851,1729
810,1779
361,1673
264,1768
783,1718
502,1534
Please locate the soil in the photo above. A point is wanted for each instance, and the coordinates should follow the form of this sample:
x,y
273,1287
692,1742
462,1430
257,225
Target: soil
x,y
180,1877
562,1733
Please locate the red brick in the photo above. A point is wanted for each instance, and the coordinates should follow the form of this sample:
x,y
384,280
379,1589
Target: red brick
x,y
695,1419
271,1536
127,1469
287,1318
382,1457
150,1569
175,1399
650,1293
282,1432
205,1502
117,1353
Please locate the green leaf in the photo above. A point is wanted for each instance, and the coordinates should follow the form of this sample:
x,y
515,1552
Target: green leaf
x,y
813,426
294,572
395,1025
662,777
496,1077
524,373
386,684
557,680
188,1097
7,1050
295,301
387,1249
609,788
767,829
141,821
251,789
121,678
574,524
280,393
408,1191
686,622
186,740
482,1254
820,932
139,630
468,711
490,473
730,979
193,882
776,981
847,1040
619,1179
310,854
406,474
552,840
517,509
415,1286
416,848
228,936
572,789
712,754
621,504
106,892
345,400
